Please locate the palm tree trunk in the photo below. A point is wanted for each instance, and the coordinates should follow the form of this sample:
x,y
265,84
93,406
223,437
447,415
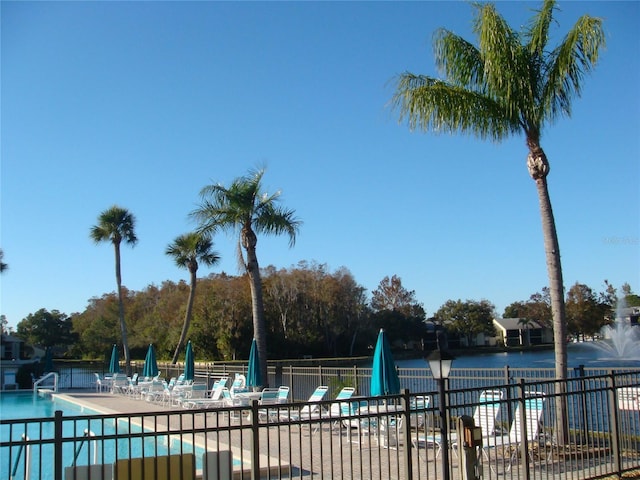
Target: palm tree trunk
x,y
123,325
537,162
187,316
259,329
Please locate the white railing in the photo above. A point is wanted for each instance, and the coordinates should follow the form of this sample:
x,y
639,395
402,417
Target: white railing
x,y
26,449
37,383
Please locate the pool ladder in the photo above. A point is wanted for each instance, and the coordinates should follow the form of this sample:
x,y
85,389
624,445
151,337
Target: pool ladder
x,y
88,434
37,383
24,447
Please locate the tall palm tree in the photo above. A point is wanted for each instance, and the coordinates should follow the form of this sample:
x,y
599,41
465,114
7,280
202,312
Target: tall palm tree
x,y
509,83
245,209
116,225
187,250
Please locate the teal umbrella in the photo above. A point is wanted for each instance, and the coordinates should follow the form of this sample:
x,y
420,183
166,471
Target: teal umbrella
x,y
189,366
114,364
254,377
384,376
150,365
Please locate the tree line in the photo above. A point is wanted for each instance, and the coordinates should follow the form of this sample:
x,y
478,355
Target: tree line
x,y
309,310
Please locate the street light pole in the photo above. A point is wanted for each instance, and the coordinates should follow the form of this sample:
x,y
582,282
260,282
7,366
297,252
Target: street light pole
x,y
440,363
444,429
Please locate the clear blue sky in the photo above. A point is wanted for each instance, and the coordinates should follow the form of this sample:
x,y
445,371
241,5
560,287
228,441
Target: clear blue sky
x,y
141,104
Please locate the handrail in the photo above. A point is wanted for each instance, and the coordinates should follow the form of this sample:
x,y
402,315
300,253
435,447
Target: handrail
x,y
37,383
87,434
27,454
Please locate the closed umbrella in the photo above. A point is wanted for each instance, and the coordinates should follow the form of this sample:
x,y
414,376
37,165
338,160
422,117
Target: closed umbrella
x,y
114,364
189,366
254,377
384,376
150,365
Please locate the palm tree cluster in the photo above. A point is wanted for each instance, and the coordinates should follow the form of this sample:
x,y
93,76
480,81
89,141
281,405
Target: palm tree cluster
x,y
242,208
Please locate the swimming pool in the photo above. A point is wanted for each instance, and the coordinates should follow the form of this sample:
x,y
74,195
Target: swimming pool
x,y
115,439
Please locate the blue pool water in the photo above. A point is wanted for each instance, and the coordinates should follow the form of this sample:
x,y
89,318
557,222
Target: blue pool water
x,y
27,405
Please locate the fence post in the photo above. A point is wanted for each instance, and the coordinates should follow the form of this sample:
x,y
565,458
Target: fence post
x,y
406,433
355,377
507,381
524,442
57,445
613,422
278,375
255,441
583,395
291,386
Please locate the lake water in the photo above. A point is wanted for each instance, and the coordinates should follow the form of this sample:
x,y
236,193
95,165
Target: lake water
x,y
585,353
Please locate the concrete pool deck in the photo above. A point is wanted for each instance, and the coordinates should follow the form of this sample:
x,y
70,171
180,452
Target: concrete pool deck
x,y
114,404
285,450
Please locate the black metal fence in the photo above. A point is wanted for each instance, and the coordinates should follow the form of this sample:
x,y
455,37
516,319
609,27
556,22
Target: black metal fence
x,y
395,437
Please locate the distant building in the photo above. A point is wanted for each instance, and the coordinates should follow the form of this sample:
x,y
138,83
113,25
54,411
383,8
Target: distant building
x,y
11,347
13,354
519,332
629,315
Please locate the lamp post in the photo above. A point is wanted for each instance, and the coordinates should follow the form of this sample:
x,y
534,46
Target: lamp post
x,y
440,364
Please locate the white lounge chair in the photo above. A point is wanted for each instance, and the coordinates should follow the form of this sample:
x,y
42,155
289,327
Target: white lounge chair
x,y
311,408
238,385
268,397
220,396
100,384
509,444
484,416
339,409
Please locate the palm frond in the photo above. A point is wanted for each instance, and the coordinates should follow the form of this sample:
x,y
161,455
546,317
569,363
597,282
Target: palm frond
x,y
430,104
538,29
274,220
498,45
459,60
569,62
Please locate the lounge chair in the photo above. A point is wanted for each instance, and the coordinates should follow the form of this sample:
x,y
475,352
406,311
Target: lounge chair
x,y
269,396
283,394
154,392
419,406
238,385
509,444
197,393
120,384
219,396
100,384
377,421
311,408
174,393
339,409
484,416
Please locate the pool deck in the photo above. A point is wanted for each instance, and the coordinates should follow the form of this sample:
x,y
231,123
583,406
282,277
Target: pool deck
x,y
286,451
290,451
